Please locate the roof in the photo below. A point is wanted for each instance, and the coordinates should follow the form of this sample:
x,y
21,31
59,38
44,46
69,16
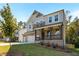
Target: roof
x,y
34,12
28,33
40,14
55,12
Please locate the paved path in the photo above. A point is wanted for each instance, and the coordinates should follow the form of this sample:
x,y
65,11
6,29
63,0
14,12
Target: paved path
x,y
13,43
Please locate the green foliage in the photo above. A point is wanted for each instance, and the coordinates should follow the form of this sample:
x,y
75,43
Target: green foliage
x,y
72,31
8,22
77,39
21,24
77,42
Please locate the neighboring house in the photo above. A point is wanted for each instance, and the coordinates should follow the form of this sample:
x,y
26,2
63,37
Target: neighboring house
x,y
46,28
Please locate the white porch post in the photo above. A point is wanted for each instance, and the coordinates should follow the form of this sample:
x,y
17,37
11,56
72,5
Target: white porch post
x,y
64,32
35,35
64,29
64,36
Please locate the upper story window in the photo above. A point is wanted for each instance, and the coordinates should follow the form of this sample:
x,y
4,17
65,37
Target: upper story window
x,y
29,26
50,19
56,17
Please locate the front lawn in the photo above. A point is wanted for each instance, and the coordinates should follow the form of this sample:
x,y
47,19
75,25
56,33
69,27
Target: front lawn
x,y
75,50
30,50
35,50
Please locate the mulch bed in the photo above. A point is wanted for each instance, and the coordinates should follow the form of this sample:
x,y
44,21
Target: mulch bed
x,y
57,48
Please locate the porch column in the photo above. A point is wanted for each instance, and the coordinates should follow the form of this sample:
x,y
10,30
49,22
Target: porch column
x,y
61,31
42,34
50,33
64,35
35,35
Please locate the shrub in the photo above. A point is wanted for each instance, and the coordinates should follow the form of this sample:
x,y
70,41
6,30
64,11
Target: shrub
x,y
41,43
57,46
61,47
48,44
14,39
70,46
77,42
53,45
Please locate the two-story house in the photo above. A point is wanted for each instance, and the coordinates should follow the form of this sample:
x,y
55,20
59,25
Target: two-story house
x,y
29,36
47,28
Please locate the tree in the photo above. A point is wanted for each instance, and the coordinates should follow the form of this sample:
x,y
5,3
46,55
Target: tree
x,y
73,30
68,16
24,24
20,24
8,22
68,19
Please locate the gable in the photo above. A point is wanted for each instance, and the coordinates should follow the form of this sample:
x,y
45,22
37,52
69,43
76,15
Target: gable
x,y
34,15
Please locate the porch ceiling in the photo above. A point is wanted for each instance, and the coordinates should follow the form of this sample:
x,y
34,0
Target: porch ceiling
x,y
51,25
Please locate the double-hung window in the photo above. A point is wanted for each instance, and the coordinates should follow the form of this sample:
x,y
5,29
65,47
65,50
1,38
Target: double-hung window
x,y
50,19
56,17
29,26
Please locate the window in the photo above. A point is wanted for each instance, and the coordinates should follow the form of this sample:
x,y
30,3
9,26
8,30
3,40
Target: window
x,y
37,23
29,26
56,18
50,19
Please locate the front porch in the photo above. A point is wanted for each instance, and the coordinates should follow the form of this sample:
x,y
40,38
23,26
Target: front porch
x,y
52,34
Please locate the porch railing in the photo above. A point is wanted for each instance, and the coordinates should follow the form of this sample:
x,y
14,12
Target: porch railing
x,y
51,37
39,25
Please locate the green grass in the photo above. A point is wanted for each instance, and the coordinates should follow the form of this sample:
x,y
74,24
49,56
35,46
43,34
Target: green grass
x,y
75,50
31,50
35,50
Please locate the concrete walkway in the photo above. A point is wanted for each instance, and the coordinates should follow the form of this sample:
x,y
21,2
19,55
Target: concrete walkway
x,y
14,43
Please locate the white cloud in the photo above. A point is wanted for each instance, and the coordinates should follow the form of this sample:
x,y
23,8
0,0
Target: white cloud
x,y
75,13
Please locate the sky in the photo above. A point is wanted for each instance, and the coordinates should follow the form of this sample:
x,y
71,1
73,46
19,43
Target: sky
x,y
22,11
